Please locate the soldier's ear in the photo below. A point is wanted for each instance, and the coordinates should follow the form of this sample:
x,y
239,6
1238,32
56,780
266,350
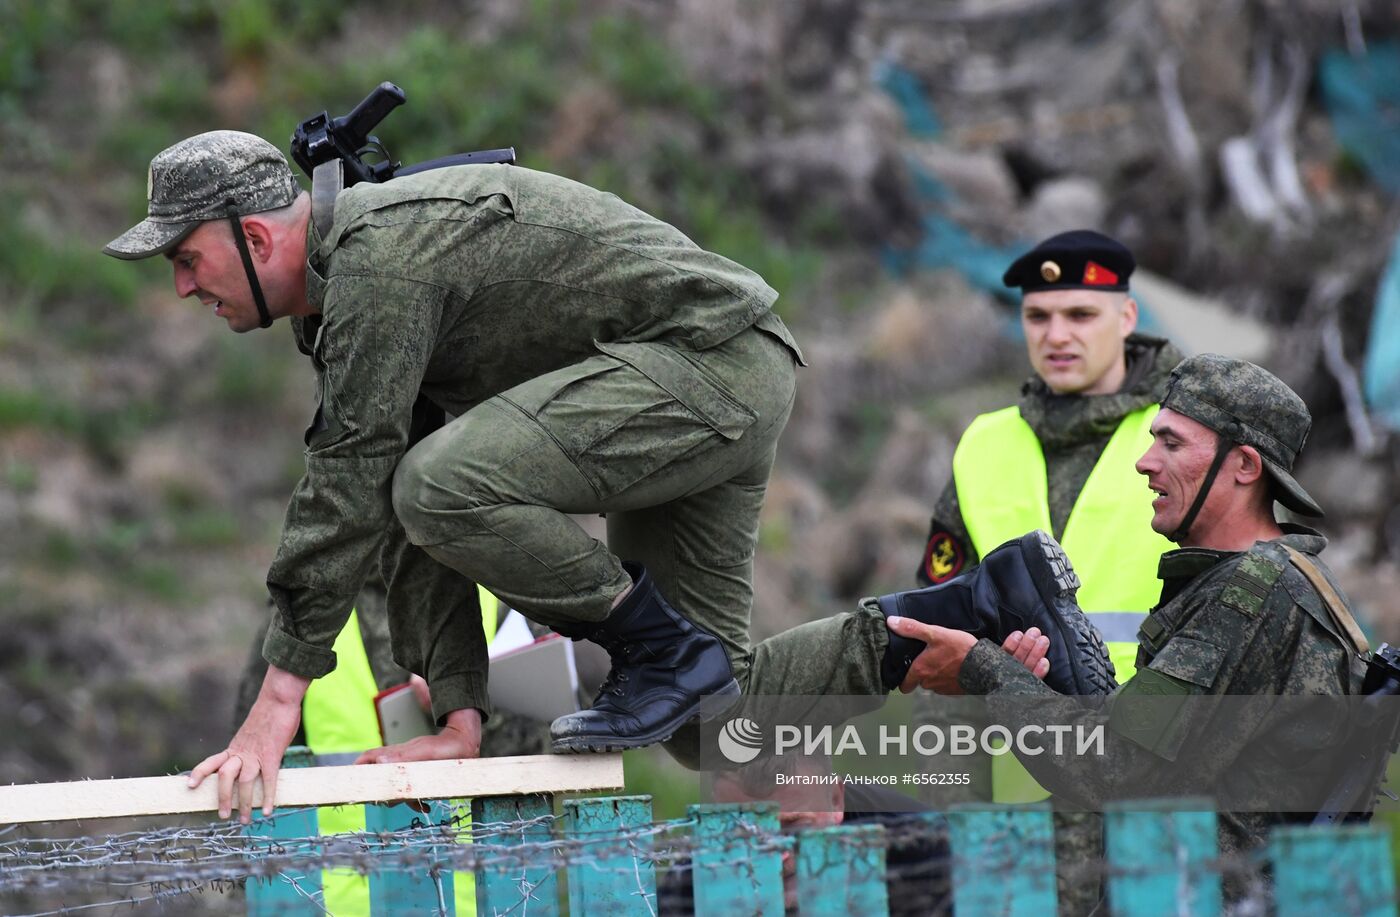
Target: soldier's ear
x,y
1251,465
1130,316
260,235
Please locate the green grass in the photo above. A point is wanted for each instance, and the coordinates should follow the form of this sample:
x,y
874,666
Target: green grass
x,y
464,93
210,527
22,477
125,555
47,270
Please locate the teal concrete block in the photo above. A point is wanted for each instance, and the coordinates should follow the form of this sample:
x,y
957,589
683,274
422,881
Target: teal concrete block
x,y
513,878
737,865
611,870
841,871
296,892
1003,860
1342,870
1162,859
423,886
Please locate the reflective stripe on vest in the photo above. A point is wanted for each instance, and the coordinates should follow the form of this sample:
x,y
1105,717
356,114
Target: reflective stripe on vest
x,y
338,716
999,473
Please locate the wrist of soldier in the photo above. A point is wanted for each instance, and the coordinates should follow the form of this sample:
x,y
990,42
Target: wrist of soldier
x,y
462,691
282,687
978,674
467,720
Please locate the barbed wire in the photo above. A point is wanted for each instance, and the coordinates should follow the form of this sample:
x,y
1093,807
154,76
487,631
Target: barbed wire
x,y
155,865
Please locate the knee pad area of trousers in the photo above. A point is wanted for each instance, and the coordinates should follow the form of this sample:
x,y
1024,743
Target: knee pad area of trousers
x,y
423,504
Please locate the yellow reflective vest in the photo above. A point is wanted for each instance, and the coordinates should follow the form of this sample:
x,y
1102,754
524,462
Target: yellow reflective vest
x,y
999,473
338,716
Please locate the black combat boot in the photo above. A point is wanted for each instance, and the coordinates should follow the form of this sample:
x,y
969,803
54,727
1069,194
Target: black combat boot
x,y
1022,584
665,672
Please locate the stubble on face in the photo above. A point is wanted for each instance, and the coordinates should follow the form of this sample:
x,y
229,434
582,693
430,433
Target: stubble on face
x,y
1175,466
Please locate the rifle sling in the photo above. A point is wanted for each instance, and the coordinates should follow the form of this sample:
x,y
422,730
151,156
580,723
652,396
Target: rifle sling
x,y
327,181
1341,616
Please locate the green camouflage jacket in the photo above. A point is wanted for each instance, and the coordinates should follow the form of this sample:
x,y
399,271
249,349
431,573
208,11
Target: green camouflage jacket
x,y
436,292
1073,431
1246,623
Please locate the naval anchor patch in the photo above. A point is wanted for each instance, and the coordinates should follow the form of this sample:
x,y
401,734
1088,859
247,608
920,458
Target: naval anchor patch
x,y
943,559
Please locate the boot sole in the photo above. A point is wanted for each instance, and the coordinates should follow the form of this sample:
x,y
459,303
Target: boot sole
x,y
1095,674
707,708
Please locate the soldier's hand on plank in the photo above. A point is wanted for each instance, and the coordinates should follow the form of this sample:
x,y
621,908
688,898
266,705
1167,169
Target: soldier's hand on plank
x,y
257,748
460,737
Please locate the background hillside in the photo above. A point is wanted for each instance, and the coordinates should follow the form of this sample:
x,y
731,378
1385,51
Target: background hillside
x,y
877,162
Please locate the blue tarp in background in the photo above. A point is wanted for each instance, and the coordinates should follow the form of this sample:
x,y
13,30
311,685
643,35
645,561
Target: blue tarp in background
x,y
946,244
1362,94
1381,375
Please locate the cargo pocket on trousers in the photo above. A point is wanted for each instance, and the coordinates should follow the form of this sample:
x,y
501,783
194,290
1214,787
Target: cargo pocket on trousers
x,y
641,422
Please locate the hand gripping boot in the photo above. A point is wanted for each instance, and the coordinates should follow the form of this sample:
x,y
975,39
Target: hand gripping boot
x,y
1021,584
665,673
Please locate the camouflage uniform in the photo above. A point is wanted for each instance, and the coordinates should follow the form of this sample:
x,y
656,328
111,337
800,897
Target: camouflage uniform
x,y
1228,623
1073,431
595,360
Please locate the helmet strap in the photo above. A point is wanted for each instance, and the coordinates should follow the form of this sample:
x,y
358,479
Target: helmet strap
x,y
264,317
1222,449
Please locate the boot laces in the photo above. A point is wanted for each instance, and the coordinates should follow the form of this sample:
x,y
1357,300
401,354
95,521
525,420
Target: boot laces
x,y
620,654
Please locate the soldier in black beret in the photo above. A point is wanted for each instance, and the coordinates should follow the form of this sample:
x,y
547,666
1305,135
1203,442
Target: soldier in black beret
x,y
1062,459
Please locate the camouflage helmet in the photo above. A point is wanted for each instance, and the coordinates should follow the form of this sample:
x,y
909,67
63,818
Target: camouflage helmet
x,y
209,176
1249,406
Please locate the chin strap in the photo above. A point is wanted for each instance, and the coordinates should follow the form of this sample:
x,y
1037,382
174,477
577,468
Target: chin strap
x,y
264,317
1222,448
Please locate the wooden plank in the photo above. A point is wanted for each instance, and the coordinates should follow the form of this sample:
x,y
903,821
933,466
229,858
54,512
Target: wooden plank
x,y
317,786
1344,870
420,891
841,871
524,886
295,893
609,876
1161,860
1003,860
737,867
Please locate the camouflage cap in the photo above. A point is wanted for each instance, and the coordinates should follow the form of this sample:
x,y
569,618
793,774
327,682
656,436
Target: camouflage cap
x,y
1252,407
196,180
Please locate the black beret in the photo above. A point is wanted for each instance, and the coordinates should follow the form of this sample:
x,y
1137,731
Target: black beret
x,y
1077,260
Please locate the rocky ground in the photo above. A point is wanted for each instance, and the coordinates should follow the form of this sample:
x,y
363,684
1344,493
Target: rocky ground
x,y
147,454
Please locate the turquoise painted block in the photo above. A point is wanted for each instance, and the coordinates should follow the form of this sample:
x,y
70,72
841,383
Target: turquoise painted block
x,y
1342,870
841,871
610,872
511,880
738,861
296,892
1003,860
424,889
1162,859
